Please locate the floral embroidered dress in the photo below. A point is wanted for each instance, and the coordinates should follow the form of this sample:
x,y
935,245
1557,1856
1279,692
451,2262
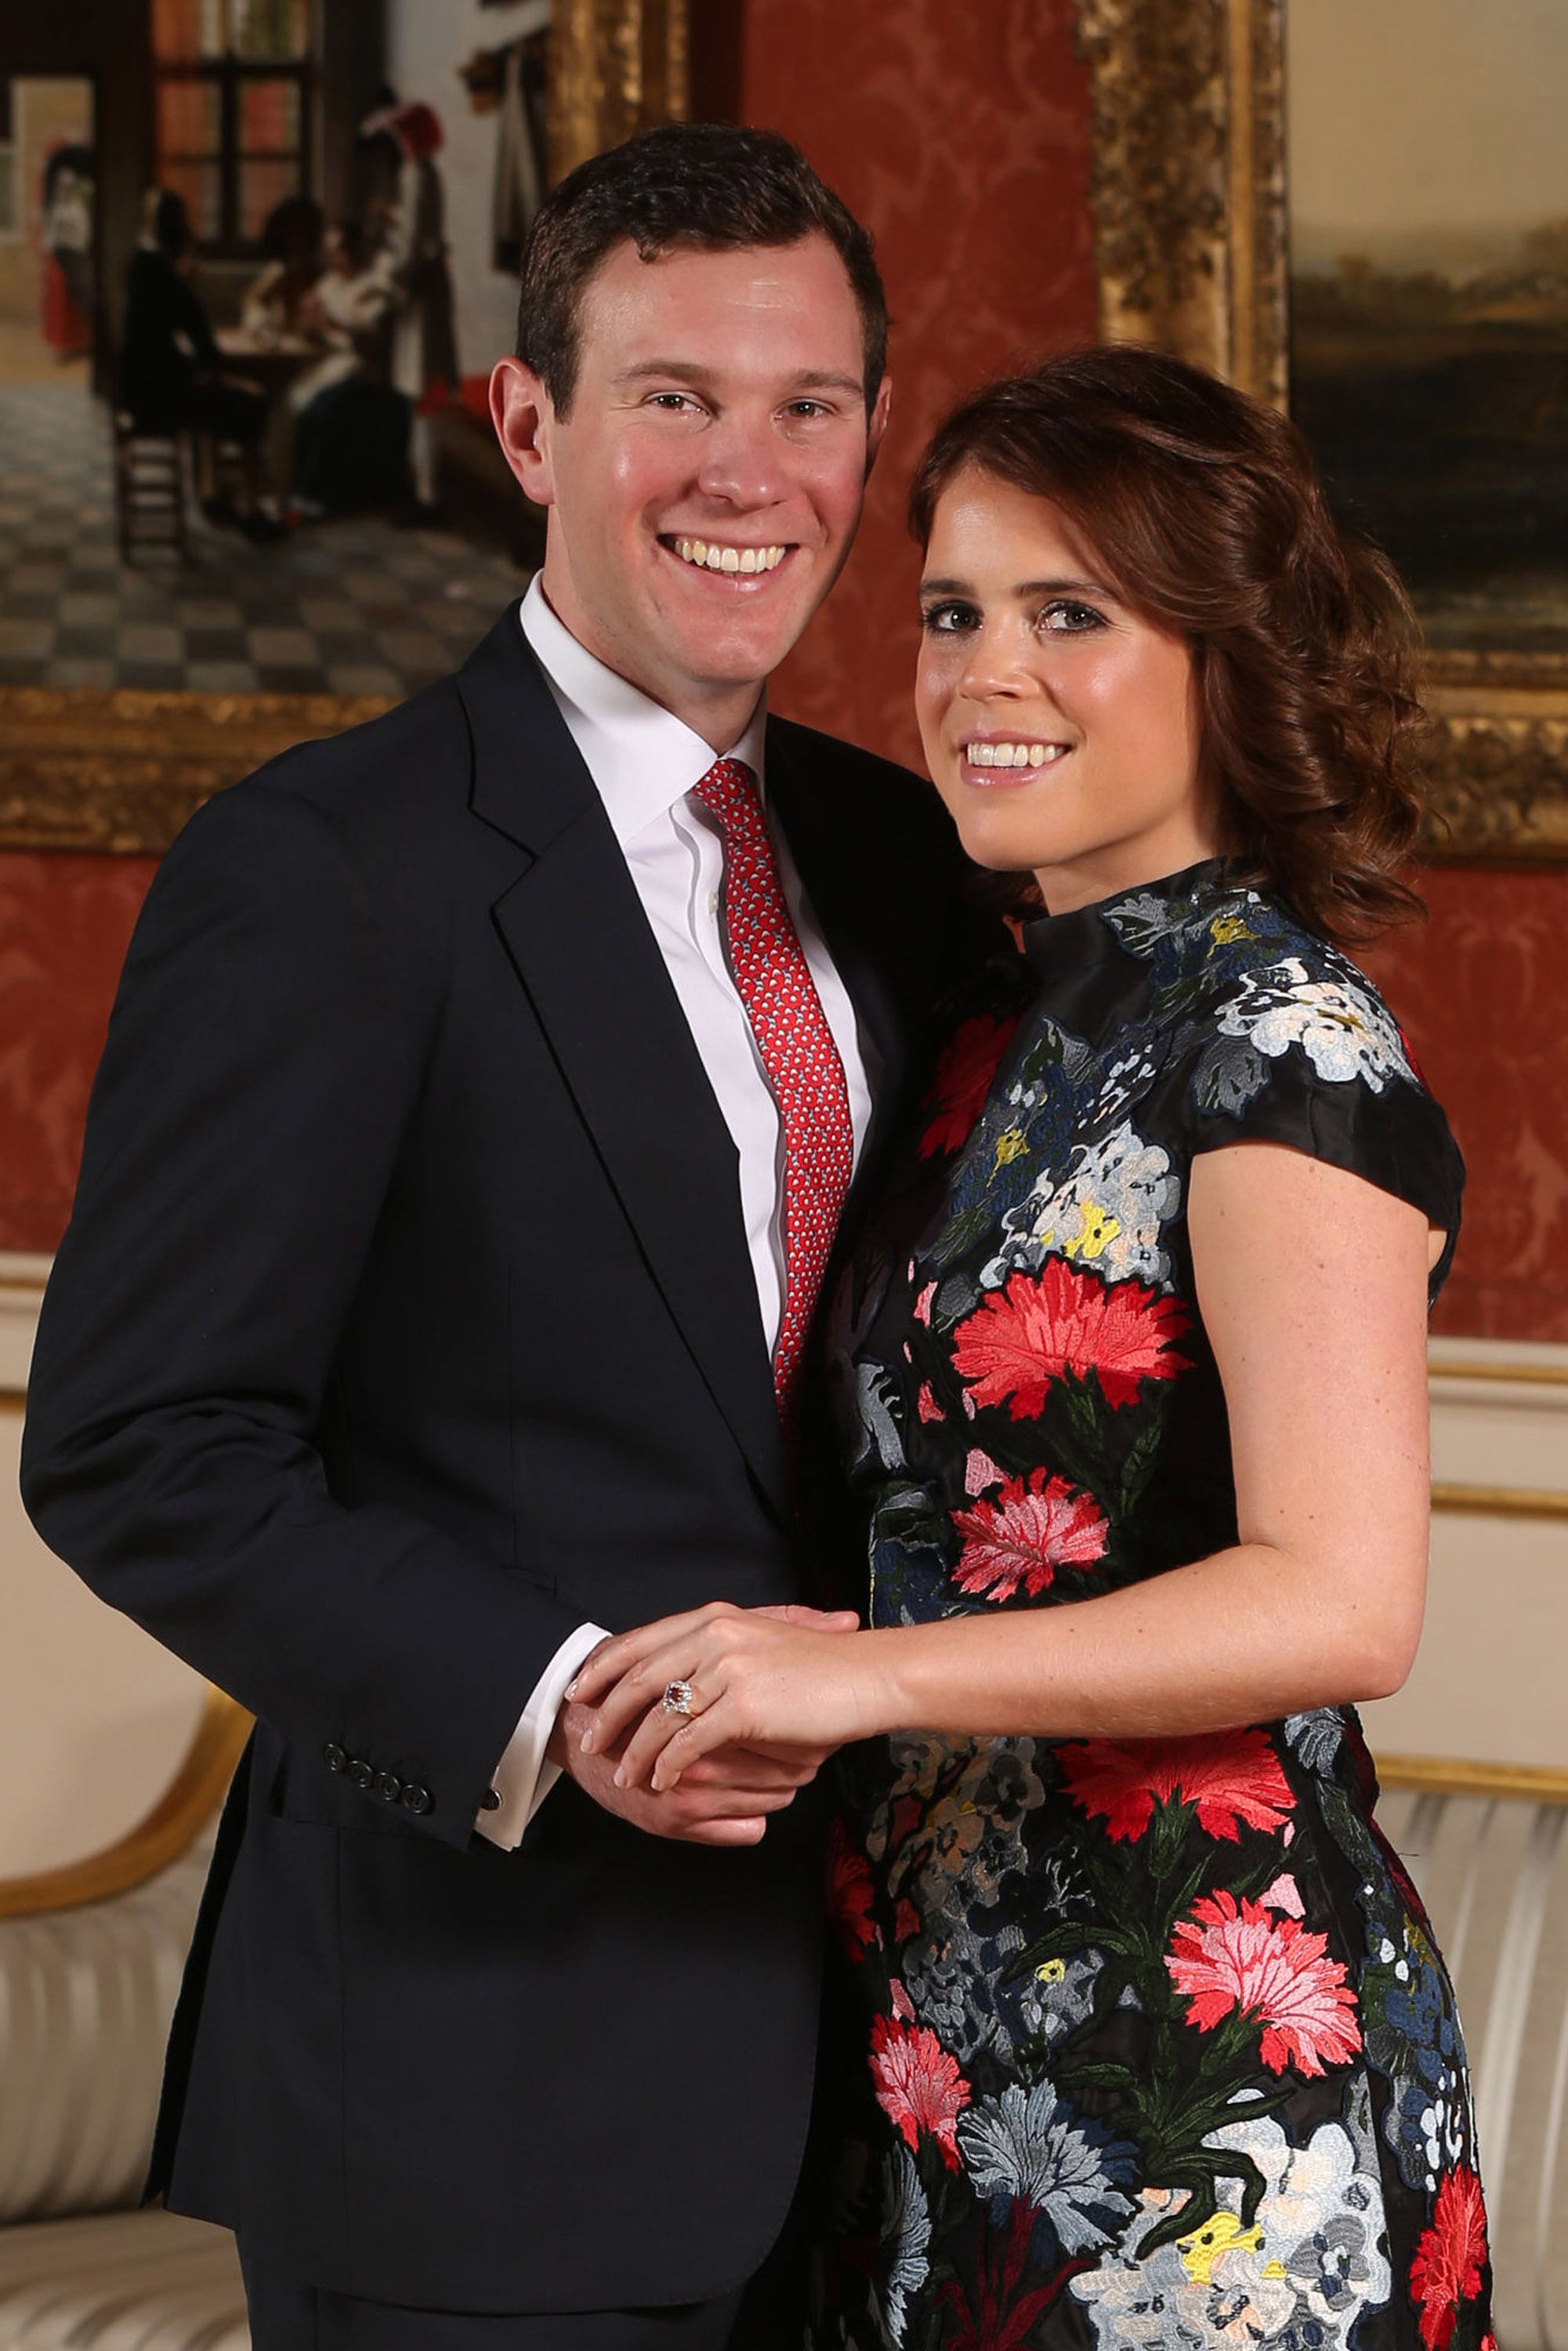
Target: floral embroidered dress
x,y
1156,2045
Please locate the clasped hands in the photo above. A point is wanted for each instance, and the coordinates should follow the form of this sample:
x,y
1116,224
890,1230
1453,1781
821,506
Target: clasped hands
x,y
775,1691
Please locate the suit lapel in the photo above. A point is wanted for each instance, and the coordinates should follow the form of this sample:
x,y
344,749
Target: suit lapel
x,y
580,944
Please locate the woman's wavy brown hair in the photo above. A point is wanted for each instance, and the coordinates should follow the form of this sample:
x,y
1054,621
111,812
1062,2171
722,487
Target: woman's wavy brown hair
x,y
1204,506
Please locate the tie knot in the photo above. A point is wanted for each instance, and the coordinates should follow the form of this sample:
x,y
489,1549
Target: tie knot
x,y
729,791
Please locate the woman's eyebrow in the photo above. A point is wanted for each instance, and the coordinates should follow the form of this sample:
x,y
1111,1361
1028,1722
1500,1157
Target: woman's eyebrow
x,y
1026,588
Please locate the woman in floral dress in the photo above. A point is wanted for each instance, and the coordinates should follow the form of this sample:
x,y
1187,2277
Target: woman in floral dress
x,y
1155,2045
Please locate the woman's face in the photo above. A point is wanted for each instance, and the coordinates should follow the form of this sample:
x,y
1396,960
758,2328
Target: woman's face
x,y
1062,728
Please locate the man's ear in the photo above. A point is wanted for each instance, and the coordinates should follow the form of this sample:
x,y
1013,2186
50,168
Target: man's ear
x,y
524,416
876,423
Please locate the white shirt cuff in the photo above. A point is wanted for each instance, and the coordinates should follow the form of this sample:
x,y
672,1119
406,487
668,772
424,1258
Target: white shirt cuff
x,y
523,1778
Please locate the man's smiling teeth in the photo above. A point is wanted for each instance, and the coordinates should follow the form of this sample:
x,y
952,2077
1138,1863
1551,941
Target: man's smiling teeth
x,y
1012,754
729,558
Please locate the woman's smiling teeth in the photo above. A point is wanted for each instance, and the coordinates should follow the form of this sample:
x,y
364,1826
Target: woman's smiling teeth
x,y
710,557
1012,754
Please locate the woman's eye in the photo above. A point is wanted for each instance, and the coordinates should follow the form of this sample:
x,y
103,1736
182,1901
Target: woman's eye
x,y
1070,619
948,620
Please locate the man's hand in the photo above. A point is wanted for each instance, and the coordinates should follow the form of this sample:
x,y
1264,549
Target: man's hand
x,y
727,1798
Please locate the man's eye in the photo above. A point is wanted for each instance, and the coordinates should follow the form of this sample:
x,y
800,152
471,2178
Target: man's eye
x,y
947,619
673,402
1067,617
807,408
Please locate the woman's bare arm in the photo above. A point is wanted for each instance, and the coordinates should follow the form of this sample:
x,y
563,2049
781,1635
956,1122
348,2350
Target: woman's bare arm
x,y
1313,1288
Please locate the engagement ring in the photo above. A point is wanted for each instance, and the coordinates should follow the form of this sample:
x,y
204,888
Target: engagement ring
x,y
677,1698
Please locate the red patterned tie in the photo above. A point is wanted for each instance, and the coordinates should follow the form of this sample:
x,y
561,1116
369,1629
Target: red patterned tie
x,y
797,1053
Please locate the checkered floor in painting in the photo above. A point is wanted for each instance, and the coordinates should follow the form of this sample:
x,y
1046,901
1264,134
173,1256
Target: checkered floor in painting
x,y
349,606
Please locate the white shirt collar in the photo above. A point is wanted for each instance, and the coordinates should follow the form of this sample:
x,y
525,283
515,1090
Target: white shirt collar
x,y
642,757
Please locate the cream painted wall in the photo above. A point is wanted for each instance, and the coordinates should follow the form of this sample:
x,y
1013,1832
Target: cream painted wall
x,y
94,1716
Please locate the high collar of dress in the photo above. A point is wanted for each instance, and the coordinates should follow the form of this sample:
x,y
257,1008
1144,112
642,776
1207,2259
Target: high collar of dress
x,y
1088,933
642,757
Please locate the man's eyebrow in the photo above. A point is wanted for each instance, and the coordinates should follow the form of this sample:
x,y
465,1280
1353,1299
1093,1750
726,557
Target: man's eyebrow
x,y
1026,588
693,371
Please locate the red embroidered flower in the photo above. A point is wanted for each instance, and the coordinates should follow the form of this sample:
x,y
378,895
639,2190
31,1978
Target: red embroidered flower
x,y
1449,2257
1240,1956
1021,1338
963,1080
919,2085
1025,1535
1229,1776
925,1405
850,1892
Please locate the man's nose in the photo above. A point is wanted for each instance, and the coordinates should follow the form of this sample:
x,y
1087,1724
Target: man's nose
x,y
742,461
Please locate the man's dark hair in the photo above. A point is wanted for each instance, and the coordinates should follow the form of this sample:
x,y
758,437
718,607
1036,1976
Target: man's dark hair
x,y
710,186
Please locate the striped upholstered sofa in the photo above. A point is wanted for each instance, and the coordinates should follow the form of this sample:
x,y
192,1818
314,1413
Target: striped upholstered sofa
x,y
87,1988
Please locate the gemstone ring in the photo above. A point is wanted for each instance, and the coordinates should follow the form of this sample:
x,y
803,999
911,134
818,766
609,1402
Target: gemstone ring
x,y
677,1698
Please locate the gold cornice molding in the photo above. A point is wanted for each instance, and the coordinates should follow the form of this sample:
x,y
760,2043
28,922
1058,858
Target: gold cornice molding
x,y
615,66
1442,1775
169,1829
1188,199
1498,1501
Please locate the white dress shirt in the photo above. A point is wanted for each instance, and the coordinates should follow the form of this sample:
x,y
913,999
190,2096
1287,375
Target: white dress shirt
x,y
643,762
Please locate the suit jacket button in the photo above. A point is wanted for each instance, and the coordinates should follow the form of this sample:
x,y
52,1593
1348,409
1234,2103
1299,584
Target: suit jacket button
x,y
418,1800
360,1773
389,1787
335,1759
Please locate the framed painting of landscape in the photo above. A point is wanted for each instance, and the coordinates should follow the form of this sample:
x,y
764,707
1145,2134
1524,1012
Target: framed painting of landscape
x,y
1361,214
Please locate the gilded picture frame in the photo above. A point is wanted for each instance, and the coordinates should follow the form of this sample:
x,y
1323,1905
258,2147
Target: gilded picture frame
x,y
119,771
1191,228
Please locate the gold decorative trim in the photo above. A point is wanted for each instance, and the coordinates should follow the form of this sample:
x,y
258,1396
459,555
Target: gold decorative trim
x,y
1440,1775
189,1803
1187,193
120,771
1501,1501
1544,1375
615,66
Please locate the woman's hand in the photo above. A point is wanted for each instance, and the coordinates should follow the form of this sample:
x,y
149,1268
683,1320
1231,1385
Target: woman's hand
x,y
760,1679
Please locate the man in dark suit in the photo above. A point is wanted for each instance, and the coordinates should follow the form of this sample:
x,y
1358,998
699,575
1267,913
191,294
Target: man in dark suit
x,y
483,1091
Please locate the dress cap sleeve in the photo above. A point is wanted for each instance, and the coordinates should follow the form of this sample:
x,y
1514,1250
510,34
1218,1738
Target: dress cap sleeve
x,y
1303,1051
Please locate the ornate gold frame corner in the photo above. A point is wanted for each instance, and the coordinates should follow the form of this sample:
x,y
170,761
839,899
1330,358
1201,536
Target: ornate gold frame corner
x,y
120,772
1188,196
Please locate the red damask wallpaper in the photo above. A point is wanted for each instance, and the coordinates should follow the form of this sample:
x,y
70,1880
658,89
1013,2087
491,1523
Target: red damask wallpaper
x,y
960,136
64,926
1482,990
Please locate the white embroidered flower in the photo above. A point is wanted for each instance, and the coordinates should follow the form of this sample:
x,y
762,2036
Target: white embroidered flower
x,y
906,2239
1341,1028
1108,1213
1305,2269
1035,2149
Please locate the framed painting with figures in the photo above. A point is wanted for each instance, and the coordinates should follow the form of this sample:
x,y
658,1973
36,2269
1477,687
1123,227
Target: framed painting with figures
x,y
258,258
1363,214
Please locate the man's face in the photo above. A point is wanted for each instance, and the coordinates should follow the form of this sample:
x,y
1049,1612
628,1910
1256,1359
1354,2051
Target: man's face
x,y
706,482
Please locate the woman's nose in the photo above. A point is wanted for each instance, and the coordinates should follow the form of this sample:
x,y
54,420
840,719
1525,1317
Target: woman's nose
x,y
995,665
